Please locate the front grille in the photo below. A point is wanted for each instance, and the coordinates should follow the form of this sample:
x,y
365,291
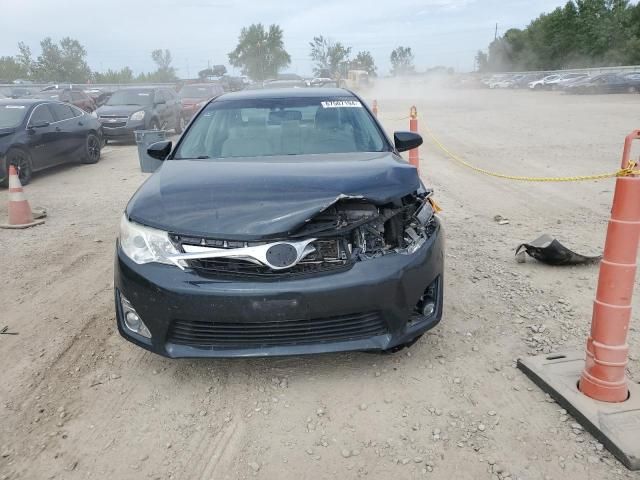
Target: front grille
x,y
203,333
330,256
113,121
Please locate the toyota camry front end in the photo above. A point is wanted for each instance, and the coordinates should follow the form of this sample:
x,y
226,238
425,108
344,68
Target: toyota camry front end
x,y
283,222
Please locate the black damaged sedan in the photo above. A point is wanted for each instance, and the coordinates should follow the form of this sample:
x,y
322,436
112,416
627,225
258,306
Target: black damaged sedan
x,y
283,222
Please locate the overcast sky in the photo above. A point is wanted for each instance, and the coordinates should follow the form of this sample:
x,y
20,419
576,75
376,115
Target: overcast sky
x,y
118,32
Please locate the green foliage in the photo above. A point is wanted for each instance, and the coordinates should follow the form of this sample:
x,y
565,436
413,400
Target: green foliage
x,y
330,57
402,61
165,72
63,62
11,70
583,33
260,53
364,61
124,75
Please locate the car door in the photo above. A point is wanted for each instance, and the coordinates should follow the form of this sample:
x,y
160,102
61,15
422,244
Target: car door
x,y
66,127
78,131
43,139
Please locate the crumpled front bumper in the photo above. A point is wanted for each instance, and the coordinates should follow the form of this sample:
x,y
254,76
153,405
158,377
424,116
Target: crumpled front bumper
x,y
390,285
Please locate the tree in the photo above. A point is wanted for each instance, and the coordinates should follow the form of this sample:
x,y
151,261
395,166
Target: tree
x,y
63,62
582,33
402,61
165,72
260,53
11,70
125,75
482,61
24,59
364,61
329,57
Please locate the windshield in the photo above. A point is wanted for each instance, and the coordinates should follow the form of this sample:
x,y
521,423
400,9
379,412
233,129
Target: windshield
x,y
191,91
12,115
282,126
131,97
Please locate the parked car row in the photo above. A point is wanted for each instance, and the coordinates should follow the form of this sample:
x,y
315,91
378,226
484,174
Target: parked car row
x,y
573,82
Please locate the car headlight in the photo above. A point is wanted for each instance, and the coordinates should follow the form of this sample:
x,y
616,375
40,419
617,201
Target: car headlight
x,y
94,114
144,244
138,115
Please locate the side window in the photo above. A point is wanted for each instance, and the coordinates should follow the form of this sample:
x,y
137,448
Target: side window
x,y
77,112
41,114
62,112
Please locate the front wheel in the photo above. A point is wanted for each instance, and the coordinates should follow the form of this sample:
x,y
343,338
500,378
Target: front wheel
x,y
92,149
22,161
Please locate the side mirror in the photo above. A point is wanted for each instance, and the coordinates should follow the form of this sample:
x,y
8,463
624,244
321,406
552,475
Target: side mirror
x,y
406,141
159,150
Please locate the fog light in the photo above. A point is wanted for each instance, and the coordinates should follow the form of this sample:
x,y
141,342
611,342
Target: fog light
x,y
428,309
428,303
132,320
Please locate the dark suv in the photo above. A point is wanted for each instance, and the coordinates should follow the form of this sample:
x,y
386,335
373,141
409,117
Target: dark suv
x,y
67,95
140,108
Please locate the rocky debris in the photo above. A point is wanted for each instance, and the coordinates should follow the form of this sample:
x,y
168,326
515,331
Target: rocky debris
x,y
255,466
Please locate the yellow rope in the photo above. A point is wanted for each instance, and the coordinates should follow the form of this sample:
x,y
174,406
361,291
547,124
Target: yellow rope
x,y
623,172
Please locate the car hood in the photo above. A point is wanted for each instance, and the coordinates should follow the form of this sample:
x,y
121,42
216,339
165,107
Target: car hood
x,y
123,110
253,199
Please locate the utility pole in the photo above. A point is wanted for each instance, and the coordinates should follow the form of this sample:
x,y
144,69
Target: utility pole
x,y
495,36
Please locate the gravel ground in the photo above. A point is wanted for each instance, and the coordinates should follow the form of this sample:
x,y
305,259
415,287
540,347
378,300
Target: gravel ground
x,y
77,401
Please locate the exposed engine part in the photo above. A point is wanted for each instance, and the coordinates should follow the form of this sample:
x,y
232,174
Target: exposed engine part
x,y
371,230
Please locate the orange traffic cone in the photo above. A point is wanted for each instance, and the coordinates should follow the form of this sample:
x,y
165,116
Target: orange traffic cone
x,y
20,214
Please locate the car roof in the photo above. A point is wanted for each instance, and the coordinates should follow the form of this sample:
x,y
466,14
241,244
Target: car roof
x,y
24,101
287,93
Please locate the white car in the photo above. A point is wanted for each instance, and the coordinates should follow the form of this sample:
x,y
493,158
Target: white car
x,y
542,83
569,79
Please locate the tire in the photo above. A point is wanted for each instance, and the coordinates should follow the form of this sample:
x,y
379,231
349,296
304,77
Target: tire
x,y
22,161
91,149
180,123
538,87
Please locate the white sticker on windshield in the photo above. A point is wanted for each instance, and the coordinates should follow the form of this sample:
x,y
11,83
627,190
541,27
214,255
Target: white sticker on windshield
x,y
341,104
144,94
14,106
